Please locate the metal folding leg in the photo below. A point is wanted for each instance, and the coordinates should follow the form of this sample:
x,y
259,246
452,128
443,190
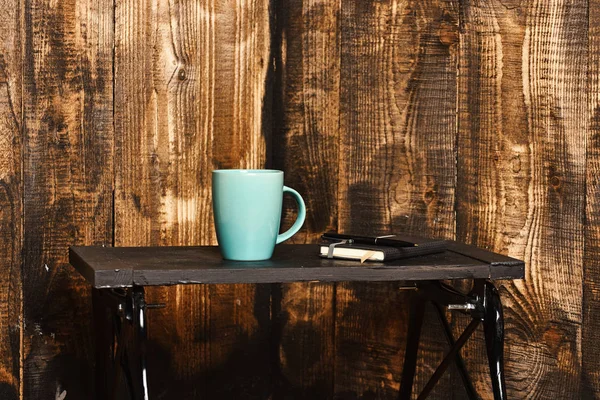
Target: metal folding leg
x,y
460,364
493,327
483,304
417,312
120,320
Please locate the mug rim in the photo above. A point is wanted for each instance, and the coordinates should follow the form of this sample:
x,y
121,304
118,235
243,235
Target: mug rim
x,y
247,171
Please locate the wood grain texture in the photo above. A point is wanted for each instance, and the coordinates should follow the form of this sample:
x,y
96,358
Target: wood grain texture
x,y
398,120
306,147
11,198
68,175
521,178
397,161
590,374
190,92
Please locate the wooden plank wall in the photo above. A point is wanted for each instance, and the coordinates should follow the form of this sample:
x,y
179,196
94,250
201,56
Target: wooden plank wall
x,y
190,93
11,199
471,119
397,173
68,185
590,371
521,168
306,111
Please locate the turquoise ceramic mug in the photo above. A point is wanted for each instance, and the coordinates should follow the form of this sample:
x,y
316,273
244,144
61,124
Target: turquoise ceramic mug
x,y
247,210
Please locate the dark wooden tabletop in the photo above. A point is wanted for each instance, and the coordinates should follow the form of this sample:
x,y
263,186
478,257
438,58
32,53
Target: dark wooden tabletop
x,y
111,267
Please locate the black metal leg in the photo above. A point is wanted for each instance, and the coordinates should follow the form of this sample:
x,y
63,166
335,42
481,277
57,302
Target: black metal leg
x,y
104,324
460,364
417,311
120,319
448,359
493,325
138,356
120,369
483,304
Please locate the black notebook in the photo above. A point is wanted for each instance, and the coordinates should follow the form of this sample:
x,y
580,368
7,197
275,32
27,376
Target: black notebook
x,y
396,247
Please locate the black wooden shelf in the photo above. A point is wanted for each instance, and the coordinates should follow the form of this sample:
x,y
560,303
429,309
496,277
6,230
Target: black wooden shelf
x,y
108,267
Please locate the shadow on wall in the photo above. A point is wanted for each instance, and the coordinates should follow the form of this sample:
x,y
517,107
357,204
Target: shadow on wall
x,y
7,392
239,377
77,384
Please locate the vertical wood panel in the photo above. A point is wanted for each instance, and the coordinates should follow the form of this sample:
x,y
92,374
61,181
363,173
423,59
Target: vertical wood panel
x,y
398,116
305,146
11,197
241,132
492,118
591,266
397,167
190,92
68,179
521,172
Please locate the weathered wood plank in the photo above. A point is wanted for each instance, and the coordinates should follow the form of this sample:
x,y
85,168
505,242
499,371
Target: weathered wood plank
x,y
101,269
590,376
481,126
68,175
190,94
521,178
163,265
306,141
397,161
398,115
11,197
305,146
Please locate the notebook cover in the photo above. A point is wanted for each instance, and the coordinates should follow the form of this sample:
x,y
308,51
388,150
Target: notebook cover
x,y
424,247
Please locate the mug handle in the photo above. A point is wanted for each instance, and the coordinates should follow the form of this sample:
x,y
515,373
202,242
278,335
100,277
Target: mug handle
x,y
299,220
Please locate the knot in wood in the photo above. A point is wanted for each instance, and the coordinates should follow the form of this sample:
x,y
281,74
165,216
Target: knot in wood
x,y
516,164
448,33
429,195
